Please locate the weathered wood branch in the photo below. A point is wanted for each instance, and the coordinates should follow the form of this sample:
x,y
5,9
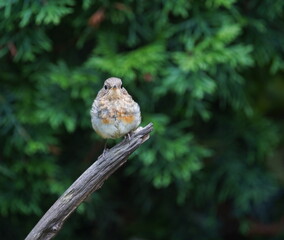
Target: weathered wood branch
x,y
91,180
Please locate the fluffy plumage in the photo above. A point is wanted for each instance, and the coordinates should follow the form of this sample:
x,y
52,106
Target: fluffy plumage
x,y
114,113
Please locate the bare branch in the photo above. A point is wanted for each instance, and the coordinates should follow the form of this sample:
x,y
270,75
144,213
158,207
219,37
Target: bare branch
x,y
91,180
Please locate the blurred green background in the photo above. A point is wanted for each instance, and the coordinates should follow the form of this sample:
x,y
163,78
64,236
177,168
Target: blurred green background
x,y
208,74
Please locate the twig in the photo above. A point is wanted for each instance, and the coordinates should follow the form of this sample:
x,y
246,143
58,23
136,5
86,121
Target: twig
x,y
91,180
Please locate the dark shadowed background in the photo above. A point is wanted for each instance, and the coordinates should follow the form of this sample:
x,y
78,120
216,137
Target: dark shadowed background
x,y
209,75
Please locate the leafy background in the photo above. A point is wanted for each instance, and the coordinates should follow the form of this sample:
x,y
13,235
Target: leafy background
x,y
208,74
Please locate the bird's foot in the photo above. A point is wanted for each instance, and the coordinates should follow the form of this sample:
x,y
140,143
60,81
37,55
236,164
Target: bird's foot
x,y
128,136
105,149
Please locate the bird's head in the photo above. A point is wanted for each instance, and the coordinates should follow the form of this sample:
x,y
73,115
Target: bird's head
x,y
113,88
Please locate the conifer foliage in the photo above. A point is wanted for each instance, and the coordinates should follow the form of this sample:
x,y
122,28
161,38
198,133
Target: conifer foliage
x,y
208,74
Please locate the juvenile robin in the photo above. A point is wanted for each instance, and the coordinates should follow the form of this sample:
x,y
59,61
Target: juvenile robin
x,y
114,113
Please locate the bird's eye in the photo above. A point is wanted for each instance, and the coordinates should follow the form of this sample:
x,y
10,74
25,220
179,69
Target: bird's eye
x,y
105,87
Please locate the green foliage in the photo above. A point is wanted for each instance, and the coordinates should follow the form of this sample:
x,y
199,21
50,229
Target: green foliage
x,y
208,74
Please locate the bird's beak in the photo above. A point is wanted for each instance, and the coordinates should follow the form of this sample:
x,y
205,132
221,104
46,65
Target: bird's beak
x,y
114,92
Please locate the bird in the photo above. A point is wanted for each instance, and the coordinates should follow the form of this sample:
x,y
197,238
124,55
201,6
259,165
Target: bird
x,y
114,113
